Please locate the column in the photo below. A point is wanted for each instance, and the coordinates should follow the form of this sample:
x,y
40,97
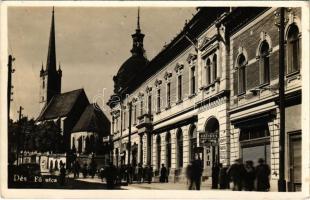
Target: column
x,y
144,152
163,148
173,149
154,152
185,130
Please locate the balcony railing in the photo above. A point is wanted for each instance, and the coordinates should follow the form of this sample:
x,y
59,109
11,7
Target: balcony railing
x,y
145,120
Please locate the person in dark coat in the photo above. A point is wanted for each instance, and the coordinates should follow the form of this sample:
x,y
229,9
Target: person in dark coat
x,y
223,177
262,176
249,177
62,175
215,175
149,174
189,175
236,173
140,173
197,168
93,168
110,174
85,170
76,169
163,174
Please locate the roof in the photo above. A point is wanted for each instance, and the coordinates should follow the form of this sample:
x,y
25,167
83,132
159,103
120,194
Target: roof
x,y
60,105
129,69
93,120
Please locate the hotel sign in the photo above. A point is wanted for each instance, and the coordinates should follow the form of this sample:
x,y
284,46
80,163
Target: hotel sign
x,y
208,139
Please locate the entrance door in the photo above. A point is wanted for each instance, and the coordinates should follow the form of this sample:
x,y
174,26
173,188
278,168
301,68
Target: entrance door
x,y
295,162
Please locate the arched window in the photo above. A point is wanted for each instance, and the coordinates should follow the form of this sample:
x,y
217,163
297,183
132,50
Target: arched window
x,y
180,148
56,165
264,68
158,144
208,72
168,150
241,74
180,87
214,66
293,54
192,142
80,143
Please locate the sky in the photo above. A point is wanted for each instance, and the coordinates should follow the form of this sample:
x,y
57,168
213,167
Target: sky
x,y
91,44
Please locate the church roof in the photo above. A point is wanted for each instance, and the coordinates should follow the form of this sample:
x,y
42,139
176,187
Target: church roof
x,y
93,120
61,105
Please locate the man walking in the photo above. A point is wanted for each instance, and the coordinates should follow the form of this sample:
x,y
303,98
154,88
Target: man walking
x,y
196,173
236,172
262,176
163,174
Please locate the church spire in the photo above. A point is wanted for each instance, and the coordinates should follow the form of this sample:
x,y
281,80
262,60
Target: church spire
x,y
138,20
137,37
51,56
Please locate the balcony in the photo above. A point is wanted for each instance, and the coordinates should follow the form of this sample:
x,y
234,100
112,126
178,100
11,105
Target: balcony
x,y
145,120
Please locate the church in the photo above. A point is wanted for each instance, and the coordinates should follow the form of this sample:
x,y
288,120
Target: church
x,y
83,125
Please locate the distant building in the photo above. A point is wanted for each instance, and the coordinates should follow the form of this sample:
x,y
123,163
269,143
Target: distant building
x,y
213,90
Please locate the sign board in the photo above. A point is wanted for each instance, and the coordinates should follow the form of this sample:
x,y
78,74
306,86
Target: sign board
x,y
106,139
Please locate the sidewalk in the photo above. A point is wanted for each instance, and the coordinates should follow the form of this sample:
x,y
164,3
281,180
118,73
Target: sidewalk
x,y
206,185
164,186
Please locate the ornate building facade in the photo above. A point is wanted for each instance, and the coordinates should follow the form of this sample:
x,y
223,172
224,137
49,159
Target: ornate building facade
x,y
211,91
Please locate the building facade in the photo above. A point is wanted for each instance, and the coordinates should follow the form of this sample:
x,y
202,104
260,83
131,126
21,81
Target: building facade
x,y
211,91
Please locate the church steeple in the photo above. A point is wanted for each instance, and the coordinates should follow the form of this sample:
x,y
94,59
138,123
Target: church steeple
x,y
51,55
50,77
137,37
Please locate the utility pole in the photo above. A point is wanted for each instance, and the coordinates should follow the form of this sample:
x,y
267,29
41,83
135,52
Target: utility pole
x,y
9,92
281,181
129,132
19,131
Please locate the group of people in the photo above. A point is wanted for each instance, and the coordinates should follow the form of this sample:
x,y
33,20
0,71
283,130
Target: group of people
x,y
138,173
243,176
86,170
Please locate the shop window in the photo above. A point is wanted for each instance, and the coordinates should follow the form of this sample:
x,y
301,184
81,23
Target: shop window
x,y
293,49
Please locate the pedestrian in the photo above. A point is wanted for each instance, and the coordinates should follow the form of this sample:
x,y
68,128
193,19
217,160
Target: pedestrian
x,y
76,169
110,174
150,174
101,172
93,168
262,176
144,173
140,173
62,175
85,170
249,177
236,173
163,174
215,175
197,169
223,178
189,175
